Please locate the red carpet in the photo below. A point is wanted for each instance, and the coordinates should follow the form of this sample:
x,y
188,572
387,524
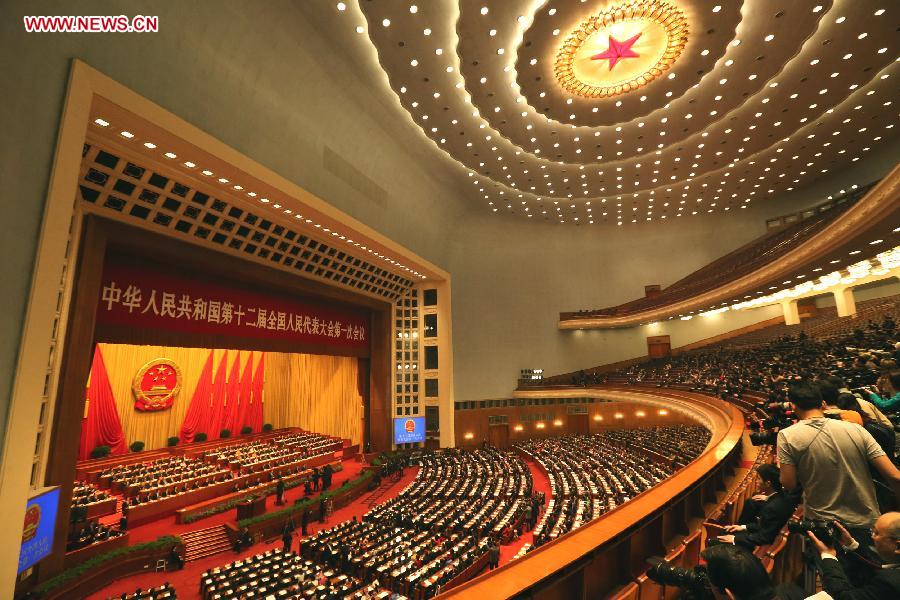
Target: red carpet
x,y
187,581
541,484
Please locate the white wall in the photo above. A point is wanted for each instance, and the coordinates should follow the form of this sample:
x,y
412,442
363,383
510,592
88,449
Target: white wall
x,y
510,282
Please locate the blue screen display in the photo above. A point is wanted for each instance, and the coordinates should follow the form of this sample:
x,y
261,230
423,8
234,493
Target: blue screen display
x,y
37,533
409,429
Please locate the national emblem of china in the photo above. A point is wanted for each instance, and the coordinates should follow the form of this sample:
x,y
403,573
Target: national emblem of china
x,y
156,385
32,521
409,425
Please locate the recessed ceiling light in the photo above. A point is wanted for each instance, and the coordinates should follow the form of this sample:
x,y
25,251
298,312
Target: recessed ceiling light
x,y
126,134
150,145
101,122
386,22
484,10
360,29
413,9
769,37
189,164
171,155
341,6
207,172
716,8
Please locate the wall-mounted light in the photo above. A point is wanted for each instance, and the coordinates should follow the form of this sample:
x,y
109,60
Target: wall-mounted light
x,y
557,423
620,416
640,413
540,425
518,428
469,435
598,417
663,411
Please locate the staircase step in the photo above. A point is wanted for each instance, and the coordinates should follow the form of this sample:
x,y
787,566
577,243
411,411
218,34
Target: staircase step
x,y
205,542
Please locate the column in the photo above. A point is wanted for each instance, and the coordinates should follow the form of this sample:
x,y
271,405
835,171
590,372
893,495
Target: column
x,y
791,313
845,302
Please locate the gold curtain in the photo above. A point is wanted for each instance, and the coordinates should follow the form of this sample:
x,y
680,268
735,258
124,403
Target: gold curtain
x,y
311,391
316,392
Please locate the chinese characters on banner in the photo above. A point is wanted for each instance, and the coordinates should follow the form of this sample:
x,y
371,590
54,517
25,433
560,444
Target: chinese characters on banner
x,y
149,298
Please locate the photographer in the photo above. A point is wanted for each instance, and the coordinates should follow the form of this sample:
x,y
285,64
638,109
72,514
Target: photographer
x,y
889,398
830,460
734,572
884,583
765,514
730,573
867,409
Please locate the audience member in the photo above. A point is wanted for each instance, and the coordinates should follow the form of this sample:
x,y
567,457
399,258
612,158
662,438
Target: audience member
x,y
882,583
764,514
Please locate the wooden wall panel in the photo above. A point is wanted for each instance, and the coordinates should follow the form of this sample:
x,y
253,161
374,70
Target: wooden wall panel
x,y
476,421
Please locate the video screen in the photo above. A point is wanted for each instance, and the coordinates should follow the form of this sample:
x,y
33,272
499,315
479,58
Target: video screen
x,y
409,429
37,532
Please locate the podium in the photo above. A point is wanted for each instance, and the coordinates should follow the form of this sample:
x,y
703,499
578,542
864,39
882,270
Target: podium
x,y
251,507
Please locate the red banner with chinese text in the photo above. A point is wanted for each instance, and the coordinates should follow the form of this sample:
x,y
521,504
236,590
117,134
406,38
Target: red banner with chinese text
x,y
137,296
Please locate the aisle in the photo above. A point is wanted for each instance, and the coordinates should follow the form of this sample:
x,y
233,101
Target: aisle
x,y
167,526
541,484
187,581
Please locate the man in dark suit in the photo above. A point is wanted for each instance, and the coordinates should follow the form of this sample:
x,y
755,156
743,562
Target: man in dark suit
x,y
765,514
279,492
884,582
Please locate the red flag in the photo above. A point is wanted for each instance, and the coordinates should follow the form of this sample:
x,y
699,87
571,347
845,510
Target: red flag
x,y
199,406
246,392
232,397
216,413
101,425
256,419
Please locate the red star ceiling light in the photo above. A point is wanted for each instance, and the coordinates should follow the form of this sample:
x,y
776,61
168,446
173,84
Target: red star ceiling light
x,y
638,40
618,50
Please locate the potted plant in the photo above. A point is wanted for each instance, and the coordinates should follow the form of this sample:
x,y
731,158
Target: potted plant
x,y
100,452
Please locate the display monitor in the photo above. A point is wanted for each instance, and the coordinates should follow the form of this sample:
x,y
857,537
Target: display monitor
x,y
40,523
409,429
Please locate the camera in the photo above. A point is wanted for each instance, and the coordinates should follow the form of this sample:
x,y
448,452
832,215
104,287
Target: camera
x,y
694,582
824,530
766,437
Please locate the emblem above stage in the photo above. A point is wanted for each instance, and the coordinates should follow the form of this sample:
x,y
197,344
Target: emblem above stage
x,y
156,385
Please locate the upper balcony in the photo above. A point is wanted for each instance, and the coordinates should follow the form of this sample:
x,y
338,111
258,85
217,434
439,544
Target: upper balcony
x,y
859,226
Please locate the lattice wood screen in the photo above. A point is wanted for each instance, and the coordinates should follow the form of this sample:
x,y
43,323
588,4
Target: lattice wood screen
x,y
134,193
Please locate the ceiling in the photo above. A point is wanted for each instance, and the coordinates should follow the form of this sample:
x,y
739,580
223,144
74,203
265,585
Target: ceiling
x,y
759,98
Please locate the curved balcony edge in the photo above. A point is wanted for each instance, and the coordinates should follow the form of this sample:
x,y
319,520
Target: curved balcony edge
x,y
609,552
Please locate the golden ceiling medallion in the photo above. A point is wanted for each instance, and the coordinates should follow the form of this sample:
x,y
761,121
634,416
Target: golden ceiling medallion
x,y
621,49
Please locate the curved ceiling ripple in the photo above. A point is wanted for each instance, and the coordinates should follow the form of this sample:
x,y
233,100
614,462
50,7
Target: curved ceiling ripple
x,y
765,97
